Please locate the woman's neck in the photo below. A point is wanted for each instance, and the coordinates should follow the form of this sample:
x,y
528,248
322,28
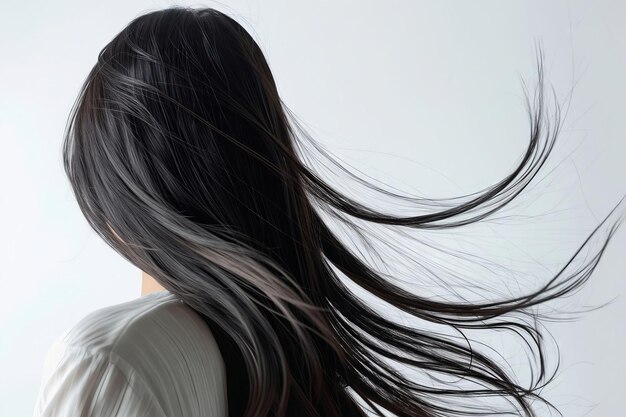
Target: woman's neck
x,y
149,284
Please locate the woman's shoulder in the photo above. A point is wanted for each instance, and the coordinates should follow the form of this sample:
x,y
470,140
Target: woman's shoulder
x,y
105,327
156,339
154,342
155,321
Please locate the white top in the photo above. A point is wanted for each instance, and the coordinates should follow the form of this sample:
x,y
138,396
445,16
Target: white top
x,y
153,356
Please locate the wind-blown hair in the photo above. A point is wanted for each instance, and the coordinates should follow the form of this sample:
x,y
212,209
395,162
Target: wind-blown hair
x,y
184,159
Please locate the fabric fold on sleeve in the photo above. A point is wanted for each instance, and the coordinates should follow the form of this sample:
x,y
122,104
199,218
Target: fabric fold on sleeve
x,y
82,382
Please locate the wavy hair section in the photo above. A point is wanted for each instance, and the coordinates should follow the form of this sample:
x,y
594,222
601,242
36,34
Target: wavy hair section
x,y
184,159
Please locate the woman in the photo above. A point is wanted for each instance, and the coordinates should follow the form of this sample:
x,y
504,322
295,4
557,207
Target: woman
x,y
183,159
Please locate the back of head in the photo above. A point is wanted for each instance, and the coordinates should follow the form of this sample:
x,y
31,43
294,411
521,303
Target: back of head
x,y
181,157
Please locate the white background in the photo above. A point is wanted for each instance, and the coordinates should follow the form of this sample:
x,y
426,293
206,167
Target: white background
x,y
424,95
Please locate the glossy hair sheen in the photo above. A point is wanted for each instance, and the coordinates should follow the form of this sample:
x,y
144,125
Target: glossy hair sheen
x,y
184,159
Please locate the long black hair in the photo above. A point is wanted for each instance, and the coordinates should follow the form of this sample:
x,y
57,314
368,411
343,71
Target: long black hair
x,y
184,159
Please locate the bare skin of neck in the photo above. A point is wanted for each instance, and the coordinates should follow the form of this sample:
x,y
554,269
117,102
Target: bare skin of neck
x,y
149,284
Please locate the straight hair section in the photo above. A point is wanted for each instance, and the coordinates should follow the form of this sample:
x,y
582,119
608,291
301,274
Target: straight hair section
x,y
184,159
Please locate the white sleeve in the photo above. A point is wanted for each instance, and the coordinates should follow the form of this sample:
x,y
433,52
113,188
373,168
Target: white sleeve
x,y
77,381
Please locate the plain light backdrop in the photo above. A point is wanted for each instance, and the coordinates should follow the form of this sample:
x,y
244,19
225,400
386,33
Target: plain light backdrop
x,y
422,95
